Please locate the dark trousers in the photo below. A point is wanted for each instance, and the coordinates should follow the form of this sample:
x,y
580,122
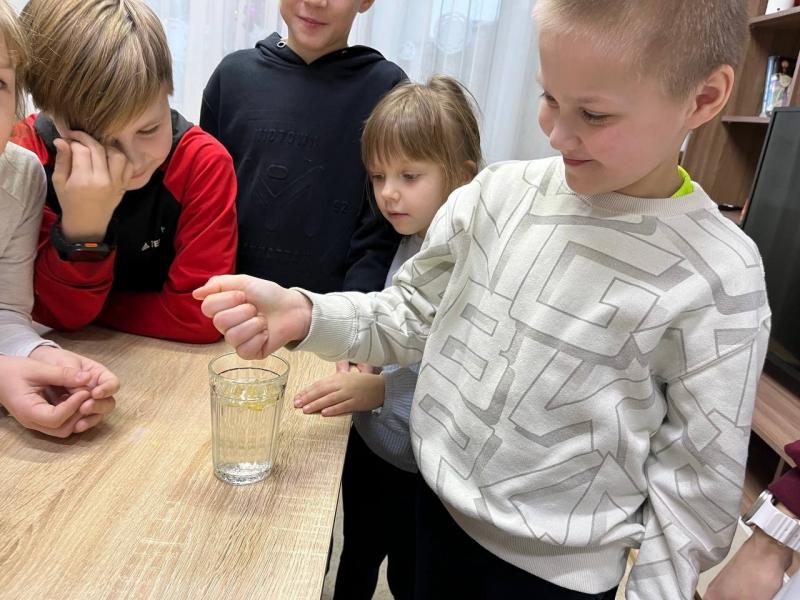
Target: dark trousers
x,y
450,564
378,501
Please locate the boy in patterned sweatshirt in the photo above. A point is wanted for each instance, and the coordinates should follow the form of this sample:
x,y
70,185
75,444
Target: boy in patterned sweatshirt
x,y
590,329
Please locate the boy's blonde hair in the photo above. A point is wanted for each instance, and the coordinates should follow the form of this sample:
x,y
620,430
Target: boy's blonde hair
x,y
433,121
96,64
679,42
16,45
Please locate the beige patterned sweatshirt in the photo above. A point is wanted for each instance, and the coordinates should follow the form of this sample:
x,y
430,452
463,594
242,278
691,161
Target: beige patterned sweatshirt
x,y
588,371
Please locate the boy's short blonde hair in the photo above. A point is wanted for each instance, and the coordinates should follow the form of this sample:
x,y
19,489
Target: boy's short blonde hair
x,y
434,121
16,45
679,42
96,64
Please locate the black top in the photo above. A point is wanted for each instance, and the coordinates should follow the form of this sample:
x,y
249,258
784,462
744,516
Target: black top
x,y
294,132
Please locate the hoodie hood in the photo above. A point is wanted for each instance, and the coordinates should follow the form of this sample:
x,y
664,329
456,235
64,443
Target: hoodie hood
x,y
274,48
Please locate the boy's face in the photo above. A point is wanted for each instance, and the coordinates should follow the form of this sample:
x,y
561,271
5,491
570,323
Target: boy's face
x,y
318,27
146,141
7,95
617,131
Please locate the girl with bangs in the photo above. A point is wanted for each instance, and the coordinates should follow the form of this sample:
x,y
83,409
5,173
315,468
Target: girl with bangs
x,y
420,143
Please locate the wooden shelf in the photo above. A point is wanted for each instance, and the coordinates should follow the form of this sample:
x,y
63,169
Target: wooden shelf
x,y
784,19
746,120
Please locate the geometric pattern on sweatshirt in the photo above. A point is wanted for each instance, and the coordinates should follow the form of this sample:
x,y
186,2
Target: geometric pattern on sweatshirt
x,y
556,379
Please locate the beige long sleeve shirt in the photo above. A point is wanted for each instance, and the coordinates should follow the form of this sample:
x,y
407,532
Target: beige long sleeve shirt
x,y
22,193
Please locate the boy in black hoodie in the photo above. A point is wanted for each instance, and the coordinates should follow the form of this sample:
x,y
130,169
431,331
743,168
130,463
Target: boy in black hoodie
x,y
290,112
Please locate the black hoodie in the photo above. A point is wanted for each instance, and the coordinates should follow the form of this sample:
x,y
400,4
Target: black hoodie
x,y
294,132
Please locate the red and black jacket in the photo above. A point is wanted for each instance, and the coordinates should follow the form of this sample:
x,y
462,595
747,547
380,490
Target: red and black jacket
x,y
170,237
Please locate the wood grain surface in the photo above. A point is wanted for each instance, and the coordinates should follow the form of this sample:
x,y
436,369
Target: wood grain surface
x,y
132,509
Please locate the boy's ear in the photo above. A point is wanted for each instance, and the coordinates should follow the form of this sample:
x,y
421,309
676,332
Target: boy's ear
x,y
711,96
365,5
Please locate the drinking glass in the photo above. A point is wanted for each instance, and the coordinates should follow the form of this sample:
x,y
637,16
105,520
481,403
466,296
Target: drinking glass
x,y
246,399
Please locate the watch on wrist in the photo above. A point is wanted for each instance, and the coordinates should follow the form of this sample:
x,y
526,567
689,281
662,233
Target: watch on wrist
x,y
77,251
776,524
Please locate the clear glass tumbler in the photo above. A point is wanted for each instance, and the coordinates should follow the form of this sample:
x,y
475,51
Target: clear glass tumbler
x,y
246,399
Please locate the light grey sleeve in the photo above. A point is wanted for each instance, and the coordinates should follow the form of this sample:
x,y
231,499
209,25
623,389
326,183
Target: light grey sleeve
x,y
695,472
21,200
399,385
392,326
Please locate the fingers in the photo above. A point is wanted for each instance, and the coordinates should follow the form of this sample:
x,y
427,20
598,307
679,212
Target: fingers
x,y
120,169
93,406
219,284
232,317
76,414
67,377
63,431
256,348
243,333
81,163
340,408
87,423
46,416
323,404
365,368
317,390
220,301
107,385
97,152
343,366
102,382
63,166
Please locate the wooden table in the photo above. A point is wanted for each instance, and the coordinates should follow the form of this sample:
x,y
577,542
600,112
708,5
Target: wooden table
x,y
131,509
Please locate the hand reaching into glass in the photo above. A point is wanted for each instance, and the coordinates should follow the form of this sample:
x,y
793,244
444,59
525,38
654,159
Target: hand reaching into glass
x,y
256,316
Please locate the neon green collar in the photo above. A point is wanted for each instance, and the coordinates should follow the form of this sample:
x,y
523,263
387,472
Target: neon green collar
x,y
687,187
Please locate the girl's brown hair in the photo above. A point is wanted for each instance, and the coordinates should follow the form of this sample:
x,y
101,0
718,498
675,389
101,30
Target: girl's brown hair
x,y
16,45
96,64
434,121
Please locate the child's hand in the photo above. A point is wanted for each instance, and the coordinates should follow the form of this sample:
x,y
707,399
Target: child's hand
x,y
101,386
90,180
342,393
102,383
24,386
256,317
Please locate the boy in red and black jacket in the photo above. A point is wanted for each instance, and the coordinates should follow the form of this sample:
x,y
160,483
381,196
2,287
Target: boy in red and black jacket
x,y
141,204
